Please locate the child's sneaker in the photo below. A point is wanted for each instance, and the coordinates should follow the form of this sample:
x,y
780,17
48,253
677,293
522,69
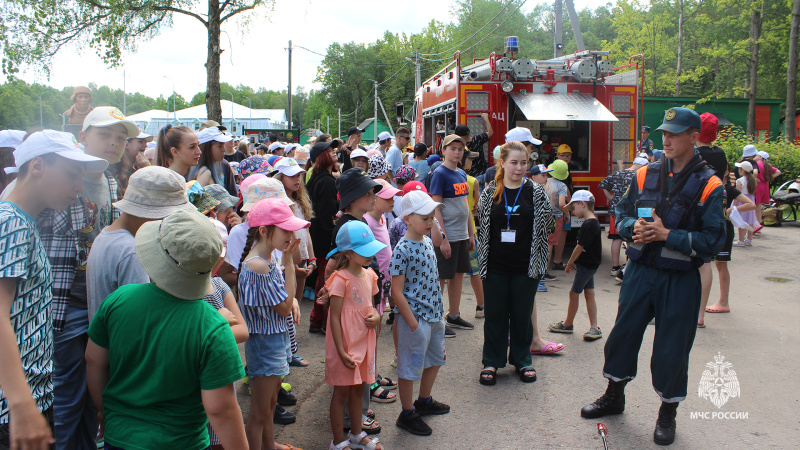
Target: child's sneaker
x,y
390,319
619,277
748,242
559,327
593,334
431,408
459,322
541,287
448,332
414,424
479,312
548,277
616,270
739,244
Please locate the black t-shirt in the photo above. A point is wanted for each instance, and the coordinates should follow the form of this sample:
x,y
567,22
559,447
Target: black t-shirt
x,y
236,156
730,195
508,257
715,158
342,220
589,238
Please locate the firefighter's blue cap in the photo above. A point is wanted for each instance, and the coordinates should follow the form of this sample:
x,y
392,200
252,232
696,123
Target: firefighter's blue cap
x,y
677,120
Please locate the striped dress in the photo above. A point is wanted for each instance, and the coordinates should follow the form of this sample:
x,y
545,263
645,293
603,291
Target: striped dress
x,y
258,293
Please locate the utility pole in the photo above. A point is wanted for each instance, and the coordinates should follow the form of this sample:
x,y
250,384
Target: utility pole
x,y
328,128
558,42
227,92
174,114
417,75
124,96
375,117
340,123
41,116
290,84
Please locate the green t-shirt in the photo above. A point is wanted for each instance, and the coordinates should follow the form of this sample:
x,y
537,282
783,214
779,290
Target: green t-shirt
x,y
162,352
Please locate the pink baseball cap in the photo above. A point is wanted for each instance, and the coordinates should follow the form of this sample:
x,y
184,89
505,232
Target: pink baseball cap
x,y
387,190
414,186
272,211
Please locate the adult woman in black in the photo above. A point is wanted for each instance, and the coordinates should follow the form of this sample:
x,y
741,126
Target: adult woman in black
x,y
321,189
515,220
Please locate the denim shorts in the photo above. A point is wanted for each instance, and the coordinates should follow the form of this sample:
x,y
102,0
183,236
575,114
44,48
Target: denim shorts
x,y
420,349
267,355
584,279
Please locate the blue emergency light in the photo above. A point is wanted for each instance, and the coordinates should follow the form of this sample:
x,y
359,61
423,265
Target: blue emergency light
x,y
512,45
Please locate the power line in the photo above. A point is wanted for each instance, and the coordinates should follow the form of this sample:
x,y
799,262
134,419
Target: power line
x,y
473,34
398,71
347,62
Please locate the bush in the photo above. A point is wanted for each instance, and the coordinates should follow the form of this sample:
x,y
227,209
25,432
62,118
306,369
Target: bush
x,y
782,154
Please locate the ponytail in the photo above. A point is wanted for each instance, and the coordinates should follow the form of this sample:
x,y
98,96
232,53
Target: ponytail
x,y
768,174
169,137
251,238
751,182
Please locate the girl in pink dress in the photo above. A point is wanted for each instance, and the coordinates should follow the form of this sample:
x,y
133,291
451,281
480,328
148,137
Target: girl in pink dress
x,y
764,173
350,341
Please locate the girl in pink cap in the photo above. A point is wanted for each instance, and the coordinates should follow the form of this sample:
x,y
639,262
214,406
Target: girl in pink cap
x,y
267,299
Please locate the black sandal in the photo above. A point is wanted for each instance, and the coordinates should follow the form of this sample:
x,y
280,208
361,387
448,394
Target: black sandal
x,y
526,378
383,397
488,376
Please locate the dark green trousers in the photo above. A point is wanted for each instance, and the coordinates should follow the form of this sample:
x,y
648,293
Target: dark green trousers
x,y
509,304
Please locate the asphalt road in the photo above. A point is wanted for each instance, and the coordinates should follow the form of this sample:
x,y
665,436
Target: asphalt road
x,y
759,338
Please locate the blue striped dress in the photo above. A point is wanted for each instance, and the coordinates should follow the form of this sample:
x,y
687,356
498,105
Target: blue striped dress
x,y
258,293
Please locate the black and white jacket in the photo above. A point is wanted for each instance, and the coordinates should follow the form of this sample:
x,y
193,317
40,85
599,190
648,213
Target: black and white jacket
x,y
543,225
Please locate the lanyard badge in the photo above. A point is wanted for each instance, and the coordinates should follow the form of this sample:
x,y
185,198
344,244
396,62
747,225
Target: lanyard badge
x,y
509,235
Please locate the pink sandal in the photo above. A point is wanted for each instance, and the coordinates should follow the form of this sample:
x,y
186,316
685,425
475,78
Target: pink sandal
x,y
550,348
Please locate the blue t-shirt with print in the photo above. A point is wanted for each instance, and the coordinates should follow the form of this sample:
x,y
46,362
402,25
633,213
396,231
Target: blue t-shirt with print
x,y
453,187
417,261
22,256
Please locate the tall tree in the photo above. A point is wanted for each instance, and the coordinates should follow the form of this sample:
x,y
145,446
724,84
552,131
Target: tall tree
x,y
35,30
791,77
755,33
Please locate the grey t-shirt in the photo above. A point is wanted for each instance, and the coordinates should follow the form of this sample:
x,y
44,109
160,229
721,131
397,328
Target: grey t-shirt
x,y
452,186
112,263
96,200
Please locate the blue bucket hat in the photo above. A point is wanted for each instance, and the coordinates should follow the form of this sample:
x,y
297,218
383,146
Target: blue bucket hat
x,y
356,236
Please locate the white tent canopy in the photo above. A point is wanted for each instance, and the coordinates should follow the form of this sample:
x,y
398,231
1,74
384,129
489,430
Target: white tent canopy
x,y
235,117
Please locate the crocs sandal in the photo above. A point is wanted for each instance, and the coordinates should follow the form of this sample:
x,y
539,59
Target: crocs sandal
x,y
390,385
525,374
550,348
488,376
383,397
298,361
717,308
559,327
356,441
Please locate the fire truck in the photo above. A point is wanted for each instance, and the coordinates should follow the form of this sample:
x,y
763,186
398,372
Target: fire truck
x,y
577,99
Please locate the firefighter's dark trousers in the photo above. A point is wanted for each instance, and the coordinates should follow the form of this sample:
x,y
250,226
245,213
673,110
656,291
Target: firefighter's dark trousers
x,y
674,299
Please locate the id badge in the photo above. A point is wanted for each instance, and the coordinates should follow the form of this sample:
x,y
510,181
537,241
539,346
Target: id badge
x,y
508,236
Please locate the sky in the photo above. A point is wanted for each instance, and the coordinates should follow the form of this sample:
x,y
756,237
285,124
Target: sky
x,y
254,56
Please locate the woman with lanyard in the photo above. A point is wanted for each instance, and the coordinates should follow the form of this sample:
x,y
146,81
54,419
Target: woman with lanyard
x,y
515,220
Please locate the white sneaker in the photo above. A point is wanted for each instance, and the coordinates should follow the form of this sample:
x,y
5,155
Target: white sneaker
x,y
748,242
739,244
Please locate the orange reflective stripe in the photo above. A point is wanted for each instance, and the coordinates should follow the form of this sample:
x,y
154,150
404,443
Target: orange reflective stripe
x,y
641,174
712,184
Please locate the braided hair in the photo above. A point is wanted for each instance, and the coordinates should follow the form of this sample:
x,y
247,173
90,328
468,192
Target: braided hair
x,y
251,239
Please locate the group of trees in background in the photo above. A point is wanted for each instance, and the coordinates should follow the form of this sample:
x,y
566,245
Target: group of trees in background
x,y
700,48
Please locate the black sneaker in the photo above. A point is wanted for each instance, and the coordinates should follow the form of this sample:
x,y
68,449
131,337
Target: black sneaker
x,y
448,332
390,319
616,270
619,277
432,408
285,398
459,322
283,417
548,277
414,424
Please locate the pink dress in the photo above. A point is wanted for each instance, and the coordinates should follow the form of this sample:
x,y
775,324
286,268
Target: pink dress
x,y
359,340
762,187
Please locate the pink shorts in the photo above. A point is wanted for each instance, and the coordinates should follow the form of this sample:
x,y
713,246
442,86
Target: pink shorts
x,y
552,239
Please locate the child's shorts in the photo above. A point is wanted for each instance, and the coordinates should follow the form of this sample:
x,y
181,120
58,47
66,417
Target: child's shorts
x,y
267,355
418,350
552,238
474,269
584,279
458,261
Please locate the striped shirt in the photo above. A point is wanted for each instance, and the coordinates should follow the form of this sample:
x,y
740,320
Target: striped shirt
x,y
259,292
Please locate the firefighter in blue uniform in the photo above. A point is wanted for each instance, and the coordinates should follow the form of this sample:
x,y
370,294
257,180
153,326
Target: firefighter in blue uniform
x,y
673,214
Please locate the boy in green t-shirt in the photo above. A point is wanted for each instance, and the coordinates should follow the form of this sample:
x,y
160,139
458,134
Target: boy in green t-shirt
x,y
160,359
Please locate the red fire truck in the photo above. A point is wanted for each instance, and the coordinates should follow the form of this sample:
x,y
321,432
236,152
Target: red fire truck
x,y
576,99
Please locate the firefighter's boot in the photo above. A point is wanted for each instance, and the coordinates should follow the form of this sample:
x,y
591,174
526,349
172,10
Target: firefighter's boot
x,y
612,402
665,425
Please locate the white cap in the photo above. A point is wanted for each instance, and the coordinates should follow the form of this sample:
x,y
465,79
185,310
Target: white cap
x,y
640,161
418,202
384,135
291,146
745,165
763,154
106,116
521,134
11,138
276,145
581,195
750,151
212,134
62,144
359,153
144,136
288,167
